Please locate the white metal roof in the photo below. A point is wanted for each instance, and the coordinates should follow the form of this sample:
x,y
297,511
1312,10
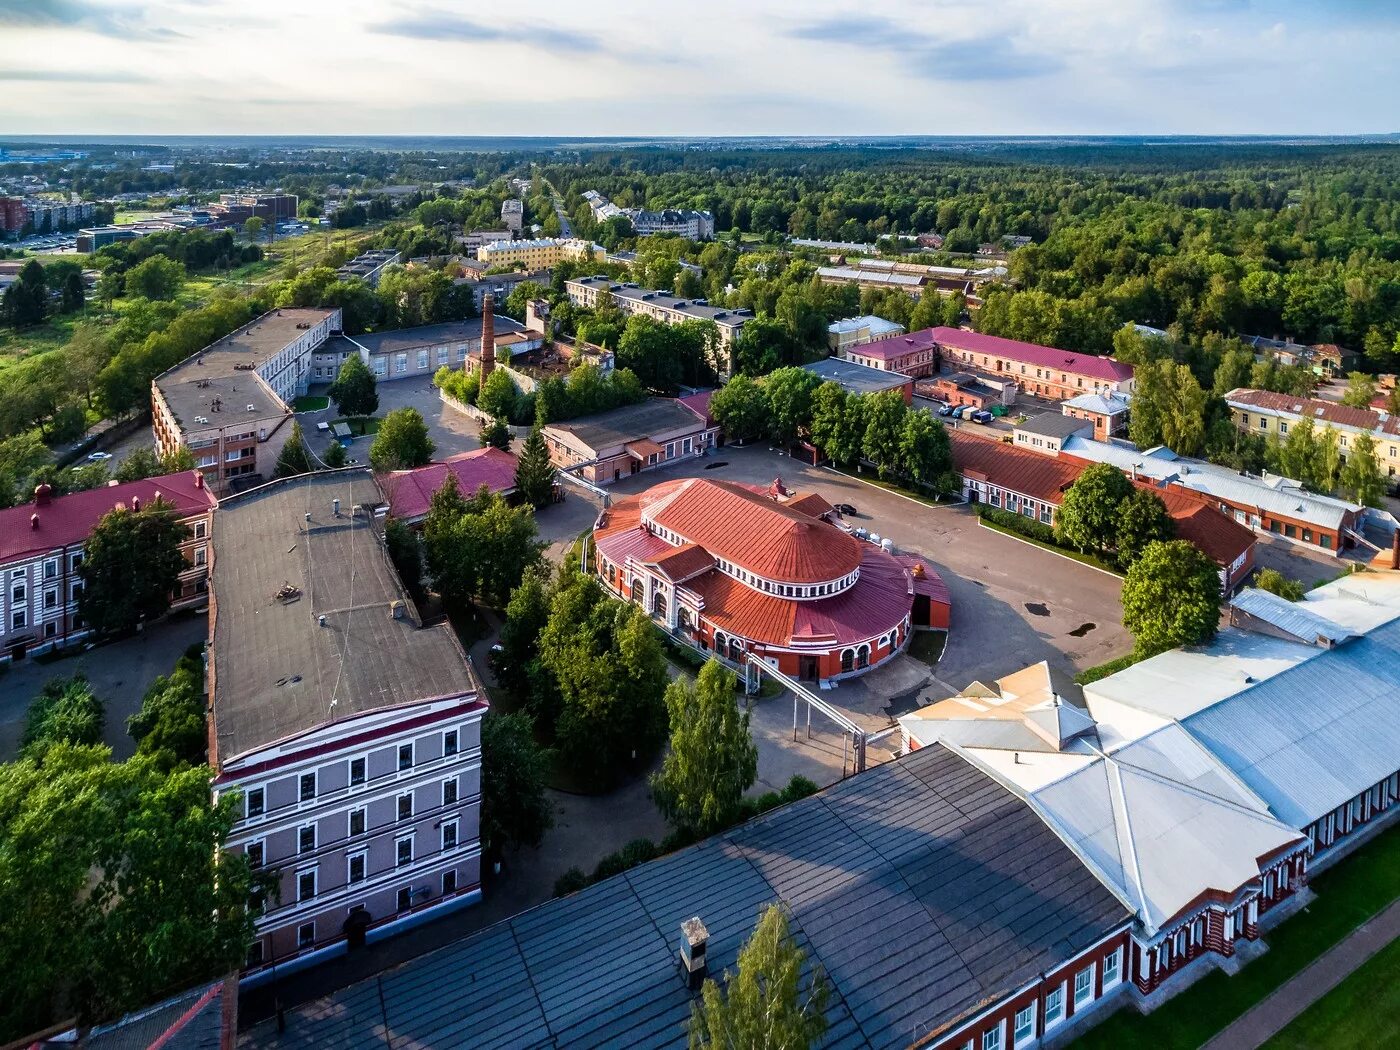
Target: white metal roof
x,y
1293,618
870,321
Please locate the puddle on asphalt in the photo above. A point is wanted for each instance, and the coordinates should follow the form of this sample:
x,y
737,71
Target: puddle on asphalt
x,y
1037,609
1082,630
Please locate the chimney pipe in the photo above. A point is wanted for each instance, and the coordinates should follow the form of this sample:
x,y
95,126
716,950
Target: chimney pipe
x,y
488,338
34,521
1395,549
41,494
136,504
199,479
694,940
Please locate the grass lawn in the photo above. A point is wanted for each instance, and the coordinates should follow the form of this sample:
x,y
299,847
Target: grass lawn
x,y
928,646
1093,674
1347,895
15,345
311,404
1087,559
359,425
1364,1010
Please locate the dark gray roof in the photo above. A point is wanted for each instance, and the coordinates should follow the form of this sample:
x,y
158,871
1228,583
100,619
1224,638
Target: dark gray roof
x,y
658,415
923,888
191,1021
857,379
432,334
1048,424
276,670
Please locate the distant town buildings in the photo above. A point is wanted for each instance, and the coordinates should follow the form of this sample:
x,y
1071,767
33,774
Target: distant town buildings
x,y
234,209
41,548
231,403
588,292
26,215
350,732
754,574
683,222
853,331
369,266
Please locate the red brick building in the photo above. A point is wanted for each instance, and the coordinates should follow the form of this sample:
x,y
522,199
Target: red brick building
x,y
914,354
1040,370
750,574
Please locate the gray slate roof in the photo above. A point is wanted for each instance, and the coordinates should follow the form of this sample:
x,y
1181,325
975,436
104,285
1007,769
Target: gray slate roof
x,y
276,670
607,430
923,888
1047,424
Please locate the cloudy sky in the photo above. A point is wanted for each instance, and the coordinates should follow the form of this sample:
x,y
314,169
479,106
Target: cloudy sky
x,y
643,67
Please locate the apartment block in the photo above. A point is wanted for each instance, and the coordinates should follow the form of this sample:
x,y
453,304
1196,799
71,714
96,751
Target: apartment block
x,y
663,306
1272,415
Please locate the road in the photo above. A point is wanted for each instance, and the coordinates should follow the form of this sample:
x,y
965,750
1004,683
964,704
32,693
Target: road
x,y
566,228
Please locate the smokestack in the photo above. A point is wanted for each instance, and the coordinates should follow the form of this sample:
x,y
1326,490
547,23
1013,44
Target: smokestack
x,y
1395,550
488,337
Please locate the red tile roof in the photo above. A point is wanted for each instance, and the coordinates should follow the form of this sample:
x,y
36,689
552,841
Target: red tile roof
x,y
813,503
1044,478
411,491
700,405
68,520
895,346
679,564
1316,410
742,526
1102,368
1215,534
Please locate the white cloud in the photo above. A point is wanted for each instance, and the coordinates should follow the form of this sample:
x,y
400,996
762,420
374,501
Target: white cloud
x,y
618,67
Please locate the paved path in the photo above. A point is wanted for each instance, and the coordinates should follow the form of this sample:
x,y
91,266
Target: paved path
x,y
1266,1019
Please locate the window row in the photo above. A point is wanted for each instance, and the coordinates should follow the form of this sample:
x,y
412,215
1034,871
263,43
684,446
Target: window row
x,y
356,824
1024,1024
357,863
308,784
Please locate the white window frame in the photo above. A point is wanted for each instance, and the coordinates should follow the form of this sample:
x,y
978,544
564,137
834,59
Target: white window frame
x,y
456,836
1089,993
1057,996
248,794
991,1038
398,758
261,847
399,805
1115,958
302,797
302,848
350,772
304,941
399,861
456,736
1017,1038
363,857
450,782
302,873
350,821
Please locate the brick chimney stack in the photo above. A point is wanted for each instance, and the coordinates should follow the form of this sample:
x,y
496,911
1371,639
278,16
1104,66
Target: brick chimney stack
x,y
488,337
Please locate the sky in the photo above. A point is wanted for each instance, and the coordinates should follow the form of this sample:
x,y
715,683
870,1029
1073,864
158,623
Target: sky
x,y
720,67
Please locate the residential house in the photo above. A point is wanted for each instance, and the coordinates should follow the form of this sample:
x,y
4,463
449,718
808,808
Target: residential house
x,y
1271,415
1107,412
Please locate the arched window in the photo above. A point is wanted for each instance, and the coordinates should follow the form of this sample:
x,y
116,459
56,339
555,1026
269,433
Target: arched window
x,y
736,651
847,660
863,656
658,605
638,592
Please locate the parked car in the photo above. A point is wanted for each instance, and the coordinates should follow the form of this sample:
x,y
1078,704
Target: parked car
x,y
99,457
958,412
945,409
981,416
846,510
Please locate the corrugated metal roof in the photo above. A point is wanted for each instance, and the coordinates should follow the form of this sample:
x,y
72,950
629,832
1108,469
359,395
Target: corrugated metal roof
x,y
923,888
1291,617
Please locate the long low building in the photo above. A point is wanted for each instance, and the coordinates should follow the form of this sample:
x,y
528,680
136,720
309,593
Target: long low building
x,y
231,403
763,575
1272,504
941,908
1028,483
406,353
590,292
609,446
915,354
350,732
1270,414
1040,370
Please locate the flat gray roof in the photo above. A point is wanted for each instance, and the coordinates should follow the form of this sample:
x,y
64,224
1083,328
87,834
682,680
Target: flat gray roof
x,y
276,670
1049,424
859,379
432,334
923,888
658,415
190,394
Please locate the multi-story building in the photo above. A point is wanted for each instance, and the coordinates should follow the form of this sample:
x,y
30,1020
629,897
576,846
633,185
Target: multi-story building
x,y
407,352
350,732
14,216
236,208
500,285
853,331
538,254
1107,412
688,223
230,404
1041,370
755,574
474,239
1272,415
513,215
43,215
589,292
41,549
915,354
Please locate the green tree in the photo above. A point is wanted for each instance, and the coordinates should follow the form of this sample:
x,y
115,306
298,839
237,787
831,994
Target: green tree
x,y
478,548
495,433
925,453
253,227
1275,582
789,392
713,759
740,407
881,443
498,395
294,459
74,294
65,711
764,1004
1296,455
334,456
26,302
1361,477
402,442
1169,408
764,344
139,464
830,427
1142,519
1088,515
103,863
353,390
171,722
406,552
516,665
534,473
1171,597
515,811
157,278
1327,461
1360,391
131,566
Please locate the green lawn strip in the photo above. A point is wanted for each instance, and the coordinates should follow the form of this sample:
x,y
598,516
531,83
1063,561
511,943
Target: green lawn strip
x,y
359,425
928,646
1087,559
311,404
1348,894
1093,674
1364,1010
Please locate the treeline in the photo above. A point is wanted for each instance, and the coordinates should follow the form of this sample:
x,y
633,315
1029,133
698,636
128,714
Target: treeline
x,y
586,391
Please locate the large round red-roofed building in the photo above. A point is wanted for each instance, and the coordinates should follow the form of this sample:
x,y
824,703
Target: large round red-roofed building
x,y
761,573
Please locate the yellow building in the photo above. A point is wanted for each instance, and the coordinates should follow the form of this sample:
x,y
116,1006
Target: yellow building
x,y
1273,415
538,254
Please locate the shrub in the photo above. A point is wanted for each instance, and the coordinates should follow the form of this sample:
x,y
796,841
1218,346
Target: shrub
x,y
1036,530
571,881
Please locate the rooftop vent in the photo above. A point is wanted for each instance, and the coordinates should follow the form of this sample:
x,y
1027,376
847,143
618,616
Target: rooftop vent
x,y
694,940
398,609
